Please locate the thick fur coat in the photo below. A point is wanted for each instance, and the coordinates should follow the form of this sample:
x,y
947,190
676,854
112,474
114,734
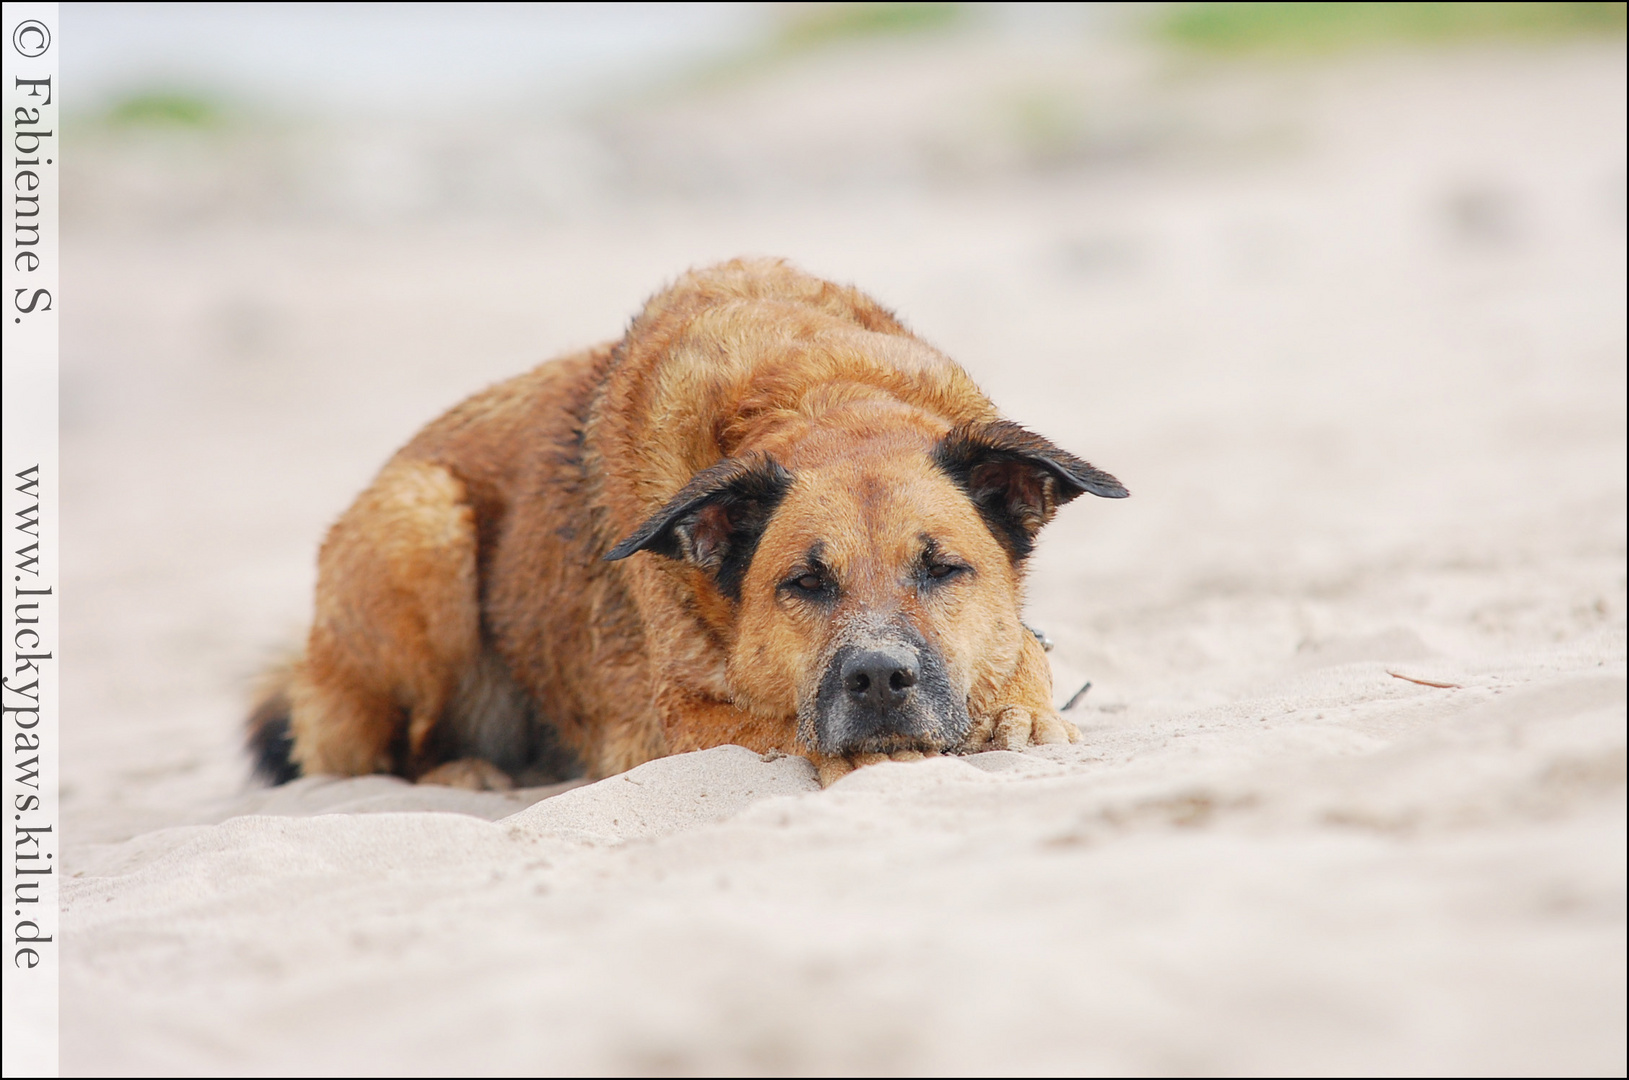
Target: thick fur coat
x,y
769,515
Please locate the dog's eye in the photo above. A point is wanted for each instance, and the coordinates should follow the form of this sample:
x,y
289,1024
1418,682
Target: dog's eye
x,y
936,572
810,586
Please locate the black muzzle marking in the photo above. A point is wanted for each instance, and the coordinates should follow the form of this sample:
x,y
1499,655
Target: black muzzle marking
x,y
887,691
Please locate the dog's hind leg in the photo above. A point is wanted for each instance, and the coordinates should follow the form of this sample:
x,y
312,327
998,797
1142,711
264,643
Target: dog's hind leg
x,y
397,626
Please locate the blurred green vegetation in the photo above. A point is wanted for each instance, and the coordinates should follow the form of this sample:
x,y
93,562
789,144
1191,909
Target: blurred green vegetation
x,y
808,26
165,108
1293,27
802,28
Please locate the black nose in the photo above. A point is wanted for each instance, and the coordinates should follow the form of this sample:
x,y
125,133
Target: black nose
x,y
880,678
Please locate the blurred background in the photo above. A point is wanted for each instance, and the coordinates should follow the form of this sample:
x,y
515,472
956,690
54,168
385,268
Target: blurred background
x,y
1337,289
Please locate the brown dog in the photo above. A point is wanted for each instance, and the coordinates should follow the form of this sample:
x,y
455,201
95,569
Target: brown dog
x,y
767,516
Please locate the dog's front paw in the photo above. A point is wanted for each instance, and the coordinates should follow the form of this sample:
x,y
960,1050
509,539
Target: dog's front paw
x,y
471,774
1017,726
832,768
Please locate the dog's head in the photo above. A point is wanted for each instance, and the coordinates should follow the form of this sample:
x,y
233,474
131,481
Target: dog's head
x,y
874,582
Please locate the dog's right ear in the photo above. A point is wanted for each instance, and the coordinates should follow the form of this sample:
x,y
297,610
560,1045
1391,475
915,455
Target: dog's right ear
x,y
716,520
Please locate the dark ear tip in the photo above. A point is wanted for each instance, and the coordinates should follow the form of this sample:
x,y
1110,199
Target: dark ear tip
x,y
624,549
1098,482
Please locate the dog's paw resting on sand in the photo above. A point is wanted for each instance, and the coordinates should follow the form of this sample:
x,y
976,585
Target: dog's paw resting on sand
x,y
768,515
1016,727
471,774
1013,728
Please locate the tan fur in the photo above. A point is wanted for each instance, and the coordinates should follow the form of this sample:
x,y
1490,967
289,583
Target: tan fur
x,y
471,572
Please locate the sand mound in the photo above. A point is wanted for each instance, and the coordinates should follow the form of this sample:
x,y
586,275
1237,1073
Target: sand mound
x,y
1367,872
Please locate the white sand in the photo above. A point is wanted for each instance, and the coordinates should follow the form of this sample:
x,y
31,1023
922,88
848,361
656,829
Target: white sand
x,y
1365,376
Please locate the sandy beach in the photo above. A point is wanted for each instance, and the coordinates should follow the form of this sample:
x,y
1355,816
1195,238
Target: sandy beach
x,y
1351,792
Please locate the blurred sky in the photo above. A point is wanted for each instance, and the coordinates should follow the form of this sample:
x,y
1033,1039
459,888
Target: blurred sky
x,y
390,57
426,57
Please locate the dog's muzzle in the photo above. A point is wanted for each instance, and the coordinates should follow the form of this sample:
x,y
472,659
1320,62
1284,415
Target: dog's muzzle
x,y
887,693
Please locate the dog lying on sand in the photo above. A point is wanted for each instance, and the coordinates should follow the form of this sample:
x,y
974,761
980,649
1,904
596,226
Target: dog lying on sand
x,y
769,515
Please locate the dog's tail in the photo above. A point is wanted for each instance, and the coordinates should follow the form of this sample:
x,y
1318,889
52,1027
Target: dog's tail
x,y
270,738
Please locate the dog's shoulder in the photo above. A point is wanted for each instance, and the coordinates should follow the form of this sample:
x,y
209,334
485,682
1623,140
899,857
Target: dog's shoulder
x,y
774,283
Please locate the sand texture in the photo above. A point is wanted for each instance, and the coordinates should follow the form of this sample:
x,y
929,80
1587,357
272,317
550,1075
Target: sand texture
x,y
1351,796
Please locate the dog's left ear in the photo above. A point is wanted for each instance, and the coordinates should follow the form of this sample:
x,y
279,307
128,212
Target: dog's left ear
x,y
1017,479
716,520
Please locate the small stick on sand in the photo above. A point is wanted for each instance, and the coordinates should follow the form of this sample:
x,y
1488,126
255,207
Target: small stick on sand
x,y
1425,682
1072,702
